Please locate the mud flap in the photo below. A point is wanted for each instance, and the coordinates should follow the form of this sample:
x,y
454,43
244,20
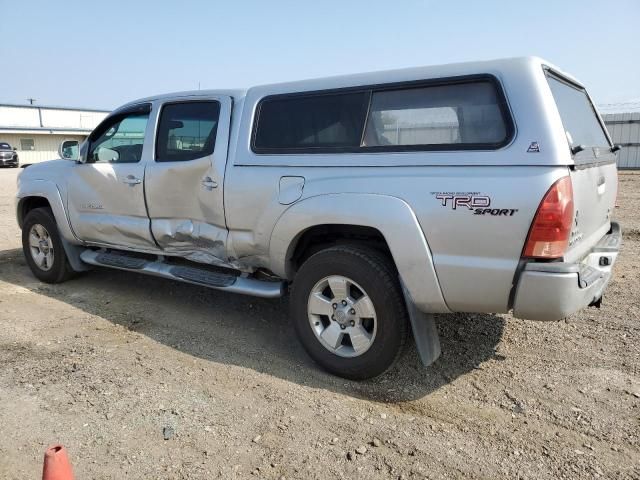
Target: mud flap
x,y
73,256
424,330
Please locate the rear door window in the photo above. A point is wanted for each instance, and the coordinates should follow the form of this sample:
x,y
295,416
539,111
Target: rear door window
x,y
578,115
187,131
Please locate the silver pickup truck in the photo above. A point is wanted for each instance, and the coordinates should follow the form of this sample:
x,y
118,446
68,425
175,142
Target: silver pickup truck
x,y
375,200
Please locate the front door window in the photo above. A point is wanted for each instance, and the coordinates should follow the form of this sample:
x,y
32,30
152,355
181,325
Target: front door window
x,y
120,141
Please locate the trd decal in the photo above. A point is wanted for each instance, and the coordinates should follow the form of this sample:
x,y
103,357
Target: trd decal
x,y
475,201
463,200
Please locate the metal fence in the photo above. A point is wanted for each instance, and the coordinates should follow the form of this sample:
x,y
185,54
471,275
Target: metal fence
x,y
624,129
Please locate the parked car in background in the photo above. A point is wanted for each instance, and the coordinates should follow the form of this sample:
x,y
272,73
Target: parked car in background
x,y
379,198
8,156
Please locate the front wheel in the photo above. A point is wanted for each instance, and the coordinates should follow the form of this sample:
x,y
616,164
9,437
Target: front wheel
x,y
43,248
349,312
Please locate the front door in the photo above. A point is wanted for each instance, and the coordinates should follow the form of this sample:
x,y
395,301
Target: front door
x,y
106,192
184,182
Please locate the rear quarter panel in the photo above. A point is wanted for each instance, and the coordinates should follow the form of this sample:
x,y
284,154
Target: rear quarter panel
x,y
476,250
475,255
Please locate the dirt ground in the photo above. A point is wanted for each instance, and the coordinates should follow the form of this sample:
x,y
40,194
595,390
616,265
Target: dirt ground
x,y
111,363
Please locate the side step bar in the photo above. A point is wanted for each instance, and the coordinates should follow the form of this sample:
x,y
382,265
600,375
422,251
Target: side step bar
x,y
185,274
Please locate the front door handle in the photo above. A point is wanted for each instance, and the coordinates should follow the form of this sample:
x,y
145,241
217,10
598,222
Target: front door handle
x,y
131,180
209,183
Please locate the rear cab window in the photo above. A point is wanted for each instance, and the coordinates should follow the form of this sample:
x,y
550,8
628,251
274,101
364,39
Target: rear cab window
x,y
447,114
579,118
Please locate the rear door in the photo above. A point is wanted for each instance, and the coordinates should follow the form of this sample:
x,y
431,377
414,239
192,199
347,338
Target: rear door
x,y
594,176
184,182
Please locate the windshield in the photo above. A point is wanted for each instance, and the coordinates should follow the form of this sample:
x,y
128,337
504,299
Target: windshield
x,y
579,118
5,146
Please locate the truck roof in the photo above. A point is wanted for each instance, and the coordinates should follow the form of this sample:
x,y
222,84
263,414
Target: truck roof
x,y
496,67
235,93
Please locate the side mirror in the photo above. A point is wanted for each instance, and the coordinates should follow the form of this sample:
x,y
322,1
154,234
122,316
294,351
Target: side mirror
x,y
69,150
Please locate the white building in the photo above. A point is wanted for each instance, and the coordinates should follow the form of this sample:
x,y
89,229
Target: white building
x,y
35,131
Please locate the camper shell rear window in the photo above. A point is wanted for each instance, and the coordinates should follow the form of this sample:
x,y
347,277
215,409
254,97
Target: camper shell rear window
x,y
579,118
461,113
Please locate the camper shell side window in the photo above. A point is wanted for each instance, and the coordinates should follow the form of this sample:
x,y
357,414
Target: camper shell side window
x,y
460,113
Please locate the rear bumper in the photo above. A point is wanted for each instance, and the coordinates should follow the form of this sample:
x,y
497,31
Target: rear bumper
x,y
552,291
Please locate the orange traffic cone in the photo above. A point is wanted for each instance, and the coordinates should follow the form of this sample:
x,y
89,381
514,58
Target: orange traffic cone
x,y
56,464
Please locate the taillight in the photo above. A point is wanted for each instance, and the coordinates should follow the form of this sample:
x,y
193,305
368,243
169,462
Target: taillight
x,y
551,227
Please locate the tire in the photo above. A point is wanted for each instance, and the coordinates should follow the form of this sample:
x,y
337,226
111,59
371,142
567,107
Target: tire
x,y
59,269
367,272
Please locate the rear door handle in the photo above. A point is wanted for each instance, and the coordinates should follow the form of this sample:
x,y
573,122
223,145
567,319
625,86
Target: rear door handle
x,y
209,183
131,180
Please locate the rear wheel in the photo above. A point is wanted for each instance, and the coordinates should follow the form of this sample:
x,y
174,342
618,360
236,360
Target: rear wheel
x,y
349,312
43,248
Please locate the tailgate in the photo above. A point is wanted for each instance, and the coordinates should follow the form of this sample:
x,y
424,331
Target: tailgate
x,y
594,176
594,197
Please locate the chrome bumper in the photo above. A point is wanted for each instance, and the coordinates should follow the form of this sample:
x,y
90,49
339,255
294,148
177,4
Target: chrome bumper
x,y
552,291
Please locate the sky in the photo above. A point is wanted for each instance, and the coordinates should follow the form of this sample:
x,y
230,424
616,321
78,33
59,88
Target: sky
x,y
102,54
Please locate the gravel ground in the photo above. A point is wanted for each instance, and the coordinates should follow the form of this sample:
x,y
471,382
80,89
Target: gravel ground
x,y
144,378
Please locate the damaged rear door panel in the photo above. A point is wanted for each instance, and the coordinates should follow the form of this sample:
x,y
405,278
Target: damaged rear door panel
x,y
183,182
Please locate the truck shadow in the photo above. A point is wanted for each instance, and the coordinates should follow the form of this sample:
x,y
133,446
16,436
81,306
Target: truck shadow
x,y
255,333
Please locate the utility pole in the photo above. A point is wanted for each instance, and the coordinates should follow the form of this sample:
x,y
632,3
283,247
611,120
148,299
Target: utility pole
x,y
31,100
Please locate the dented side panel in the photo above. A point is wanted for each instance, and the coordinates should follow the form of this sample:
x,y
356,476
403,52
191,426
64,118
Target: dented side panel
x,y
186,218
185,199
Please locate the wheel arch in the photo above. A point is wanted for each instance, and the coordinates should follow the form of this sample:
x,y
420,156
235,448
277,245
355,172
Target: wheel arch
x,y
26,204
44,193
320,236
388,219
